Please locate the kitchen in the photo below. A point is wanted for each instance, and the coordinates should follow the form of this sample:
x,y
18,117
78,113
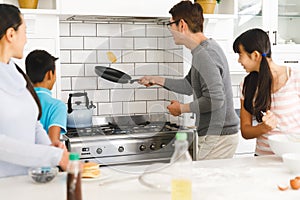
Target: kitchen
x,y
140,48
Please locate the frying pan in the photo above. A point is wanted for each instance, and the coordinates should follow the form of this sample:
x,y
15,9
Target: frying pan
x,y
113,75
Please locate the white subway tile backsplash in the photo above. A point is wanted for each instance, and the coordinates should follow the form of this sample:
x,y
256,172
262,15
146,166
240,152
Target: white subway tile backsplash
x,y
64,29
140,50
134,107
111,30
146,94
134,30
65,95
96,43
155,30
110,108
122,95
81,56
154,56
174,69
65,56
121,43
169,56
84,83
143,69
103,58
127,68
83,29
145,43
71,42
167,43
178,55
104,84
89,69
66,83
134,56
163,69
163,94
72,69
98,95
156,107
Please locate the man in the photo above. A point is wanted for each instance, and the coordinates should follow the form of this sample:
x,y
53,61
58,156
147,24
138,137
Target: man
x,y
208,81
40,67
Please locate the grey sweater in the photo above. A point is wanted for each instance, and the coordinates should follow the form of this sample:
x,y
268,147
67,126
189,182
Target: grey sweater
x,y
209,81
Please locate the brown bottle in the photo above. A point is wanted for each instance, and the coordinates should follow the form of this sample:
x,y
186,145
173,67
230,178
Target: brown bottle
x,y
74,178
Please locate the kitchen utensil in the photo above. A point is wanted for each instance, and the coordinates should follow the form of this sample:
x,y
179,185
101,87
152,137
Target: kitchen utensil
x,y
79,116
113,75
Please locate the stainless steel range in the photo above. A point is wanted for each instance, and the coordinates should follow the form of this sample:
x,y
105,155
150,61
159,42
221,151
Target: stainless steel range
x,y
128,139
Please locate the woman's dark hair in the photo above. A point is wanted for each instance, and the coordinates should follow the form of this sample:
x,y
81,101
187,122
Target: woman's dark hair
x,y
38,63
257,85
10,17
191,13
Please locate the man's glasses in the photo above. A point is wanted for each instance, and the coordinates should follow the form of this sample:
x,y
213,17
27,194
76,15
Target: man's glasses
x,y
170,23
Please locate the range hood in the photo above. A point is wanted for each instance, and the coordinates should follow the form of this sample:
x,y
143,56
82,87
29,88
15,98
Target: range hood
x,y
142,11
118,19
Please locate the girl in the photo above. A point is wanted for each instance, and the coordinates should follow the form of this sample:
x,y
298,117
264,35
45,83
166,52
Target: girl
x,y
23,142
270,92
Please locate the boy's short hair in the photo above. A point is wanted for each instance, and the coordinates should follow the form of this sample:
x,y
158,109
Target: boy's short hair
x,y
38,63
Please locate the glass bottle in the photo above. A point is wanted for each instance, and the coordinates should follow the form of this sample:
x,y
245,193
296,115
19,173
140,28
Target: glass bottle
x,y
181,161
74,178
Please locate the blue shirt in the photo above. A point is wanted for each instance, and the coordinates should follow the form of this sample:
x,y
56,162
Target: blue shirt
x,y
54,111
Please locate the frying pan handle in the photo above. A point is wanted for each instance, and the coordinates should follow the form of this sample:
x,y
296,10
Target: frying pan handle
x,y
134,80
78,94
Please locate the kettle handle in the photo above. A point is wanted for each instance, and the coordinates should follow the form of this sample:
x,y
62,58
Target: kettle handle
x,y
78,94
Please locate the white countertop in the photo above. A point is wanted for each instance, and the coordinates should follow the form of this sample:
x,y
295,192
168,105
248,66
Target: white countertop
x,y
229,179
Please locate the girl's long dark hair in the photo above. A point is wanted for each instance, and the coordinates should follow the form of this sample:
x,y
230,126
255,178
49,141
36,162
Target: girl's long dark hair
x,y
257,86
10,17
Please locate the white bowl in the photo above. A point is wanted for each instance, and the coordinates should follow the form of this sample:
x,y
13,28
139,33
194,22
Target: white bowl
x,y
292,162
281,144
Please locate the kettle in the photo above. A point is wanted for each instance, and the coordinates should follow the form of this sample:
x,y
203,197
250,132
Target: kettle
x,y
79,116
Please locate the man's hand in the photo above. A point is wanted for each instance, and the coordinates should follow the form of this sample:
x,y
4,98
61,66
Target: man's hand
x,y
174,108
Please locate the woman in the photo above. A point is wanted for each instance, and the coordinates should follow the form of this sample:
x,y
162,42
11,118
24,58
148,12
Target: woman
x,y
270,92
23,141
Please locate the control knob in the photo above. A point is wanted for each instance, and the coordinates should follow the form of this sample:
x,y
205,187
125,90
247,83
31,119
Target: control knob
x,y
121,149
163,145
142,147
99,151
152,146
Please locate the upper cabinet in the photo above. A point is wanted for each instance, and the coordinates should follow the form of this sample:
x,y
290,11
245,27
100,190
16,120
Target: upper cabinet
x,y
44,6
280,18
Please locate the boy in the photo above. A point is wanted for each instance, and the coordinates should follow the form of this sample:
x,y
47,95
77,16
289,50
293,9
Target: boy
x,y
40,67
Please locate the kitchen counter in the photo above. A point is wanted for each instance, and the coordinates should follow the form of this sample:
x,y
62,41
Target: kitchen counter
x,y
229,179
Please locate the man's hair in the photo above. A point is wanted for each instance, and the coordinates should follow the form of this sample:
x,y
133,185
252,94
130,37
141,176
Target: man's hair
x,y
38,63
191,13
